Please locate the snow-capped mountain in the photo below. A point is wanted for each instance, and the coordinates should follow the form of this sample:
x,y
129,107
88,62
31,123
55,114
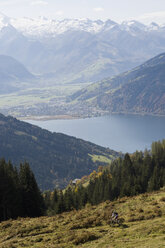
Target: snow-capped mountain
x,y
43,26
79,49
4,21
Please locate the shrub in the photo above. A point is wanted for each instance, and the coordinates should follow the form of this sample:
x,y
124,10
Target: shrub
x,y
158,212
75,226
98,222
154,203
151,216
85,237
88,222
106,215
88,205
138,218
7,224
39,239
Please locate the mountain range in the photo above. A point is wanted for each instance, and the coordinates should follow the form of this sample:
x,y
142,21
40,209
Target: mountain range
x,y
55,158
141,90
79,50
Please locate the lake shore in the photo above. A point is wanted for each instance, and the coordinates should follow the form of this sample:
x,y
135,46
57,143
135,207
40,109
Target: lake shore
x,y
72,117
49,117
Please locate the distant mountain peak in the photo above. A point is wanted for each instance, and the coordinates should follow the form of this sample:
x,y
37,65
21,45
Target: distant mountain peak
x,y
4,20
133,22
110,22
133,25
154,24
43,26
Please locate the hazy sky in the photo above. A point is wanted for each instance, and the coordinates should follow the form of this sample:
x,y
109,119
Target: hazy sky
x,y
117,10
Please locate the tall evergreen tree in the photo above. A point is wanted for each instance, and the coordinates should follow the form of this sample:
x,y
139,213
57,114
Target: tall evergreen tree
x,y
31,196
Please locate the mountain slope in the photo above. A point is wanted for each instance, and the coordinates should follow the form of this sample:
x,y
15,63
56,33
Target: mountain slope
x,y
79,50
55,158
141,90
144,225
12,72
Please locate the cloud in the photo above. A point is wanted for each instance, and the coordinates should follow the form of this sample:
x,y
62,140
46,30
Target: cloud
x,y
98,9
12,2
59,13
39,2
158,17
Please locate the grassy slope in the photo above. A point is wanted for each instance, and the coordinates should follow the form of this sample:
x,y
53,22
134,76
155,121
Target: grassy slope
x,y
144,226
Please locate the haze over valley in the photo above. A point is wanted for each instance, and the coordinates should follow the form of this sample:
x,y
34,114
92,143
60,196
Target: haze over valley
x,y
52,59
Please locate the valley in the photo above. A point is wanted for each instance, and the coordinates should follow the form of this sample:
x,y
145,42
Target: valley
x,y
43,101
80,68
137,91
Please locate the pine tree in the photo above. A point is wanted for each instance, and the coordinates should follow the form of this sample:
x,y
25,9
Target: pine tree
x,y
32,200
155,180
60,203
68,199
10,204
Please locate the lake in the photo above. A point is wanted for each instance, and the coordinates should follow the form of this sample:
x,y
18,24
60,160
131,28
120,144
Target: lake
x,y
126,133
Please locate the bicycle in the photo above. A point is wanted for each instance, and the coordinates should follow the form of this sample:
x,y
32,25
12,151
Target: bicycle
x,y
118,221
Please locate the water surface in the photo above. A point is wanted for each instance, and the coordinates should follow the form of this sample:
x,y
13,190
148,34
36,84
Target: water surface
x,y
126,133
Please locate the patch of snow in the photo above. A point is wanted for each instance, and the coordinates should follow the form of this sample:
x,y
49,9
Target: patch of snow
x,y
45,27
4,21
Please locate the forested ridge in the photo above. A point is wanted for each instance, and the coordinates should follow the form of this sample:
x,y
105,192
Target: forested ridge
x,y
134,174
55,158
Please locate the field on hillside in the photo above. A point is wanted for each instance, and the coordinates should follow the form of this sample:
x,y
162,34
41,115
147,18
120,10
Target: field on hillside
x,y
144,226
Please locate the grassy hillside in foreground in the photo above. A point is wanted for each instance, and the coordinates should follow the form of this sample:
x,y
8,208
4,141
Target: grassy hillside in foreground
x,y
144,226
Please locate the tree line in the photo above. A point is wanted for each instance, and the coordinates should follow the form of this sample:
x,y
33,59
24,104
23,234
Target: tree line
x,y
134,174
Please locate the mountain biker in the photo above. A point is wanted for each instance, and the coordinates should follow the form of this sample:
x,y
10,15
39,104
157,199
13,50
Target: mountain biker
x,y
115,216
